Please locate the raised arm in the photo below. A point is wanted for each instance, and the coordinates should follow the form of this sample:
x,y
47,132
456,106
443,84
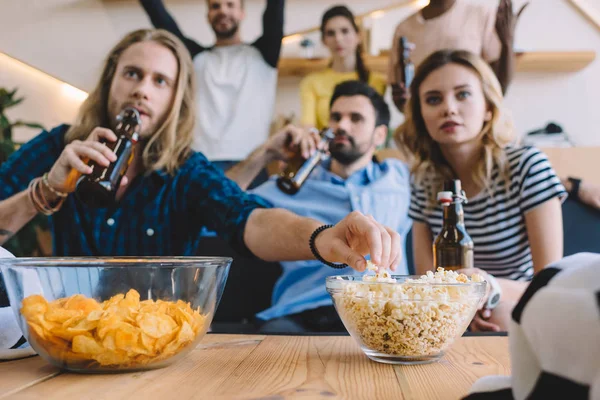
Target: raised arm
x,y
505,25
504,67
161,19
269,44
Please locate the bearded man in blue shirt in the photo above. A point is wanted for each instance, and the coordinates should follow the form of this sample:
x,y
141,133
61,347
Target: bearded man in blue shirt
x,y
350,180
169,191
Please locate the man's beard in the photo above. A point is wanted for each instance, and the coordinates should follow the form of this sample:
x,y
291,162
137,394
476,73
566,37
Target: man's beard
x,y
228,34
345,154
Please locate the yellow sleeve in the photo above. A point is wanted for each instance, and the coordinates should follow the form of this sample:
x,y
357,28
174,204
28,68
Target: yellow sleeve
x,y
308,99
378,82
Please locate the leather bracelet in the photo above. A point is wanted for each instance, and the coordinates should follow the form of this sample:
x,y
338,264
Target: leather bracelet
x,y
34,198
575,183
41,204
314,251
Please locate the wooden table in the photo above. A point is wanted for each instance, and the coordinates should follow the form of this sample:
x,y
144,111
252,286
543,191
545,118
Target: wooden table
x,y
269,367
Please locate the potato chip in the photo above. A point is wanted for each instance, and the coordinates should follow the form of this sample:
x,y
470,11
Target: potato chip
x,y
149,343
81,303
60,315
113,358
34,306
86,345
156,324
126,337
120,332
184,337
163,341
67,333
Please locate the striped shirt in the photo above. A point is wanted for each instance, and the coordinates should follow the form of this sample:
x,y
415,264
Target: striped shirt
x,y
497,223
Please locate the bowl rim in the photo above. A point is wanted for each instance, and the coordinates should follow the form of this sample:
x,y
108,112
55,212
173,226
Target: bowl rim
x,y
113,262
355,279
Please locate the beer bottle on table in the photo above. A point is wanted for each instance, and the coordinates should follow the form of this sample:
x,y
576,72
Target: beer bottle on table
x,y
299,168
99,188
453,247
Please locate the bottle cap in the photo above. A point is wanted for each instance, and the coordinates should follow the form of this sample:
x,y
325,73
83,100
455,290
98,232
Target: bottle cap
x,y
444,197
327,134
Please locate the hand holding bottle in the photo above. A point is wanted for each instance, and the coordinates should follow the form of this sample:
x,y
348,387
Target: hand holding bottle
x,y
291,140
72,162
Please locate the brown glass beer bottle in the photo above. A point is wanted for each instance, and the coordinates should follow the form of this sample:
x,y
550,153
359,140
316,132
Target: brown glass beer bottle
x,y
298,169
99,188
453,247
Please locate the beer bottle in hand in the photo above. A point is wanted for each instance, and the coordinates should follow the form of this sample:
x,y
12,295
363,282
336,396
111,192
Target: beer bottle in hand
x,y
453,247
99,188
407,68
298,169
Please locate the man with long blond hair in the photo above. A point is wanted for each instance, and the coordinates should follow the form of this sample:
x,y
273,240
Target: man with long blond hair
x,y
169,191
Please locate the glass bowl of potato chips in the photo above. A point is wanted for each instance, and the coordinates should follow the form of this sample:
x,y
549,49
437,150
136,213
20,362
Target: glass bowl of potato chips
x,y
114,314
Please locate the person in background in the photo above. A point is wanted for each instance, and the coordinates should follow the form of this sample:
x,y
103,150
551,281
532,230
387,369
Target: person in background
x,y
169,191
455,128
341,35
236,87
351,180
461,25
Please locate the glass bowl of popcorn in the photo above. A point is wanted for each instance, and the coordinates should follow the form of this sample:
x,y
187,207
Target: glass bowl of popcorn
x,y
114,314
406,319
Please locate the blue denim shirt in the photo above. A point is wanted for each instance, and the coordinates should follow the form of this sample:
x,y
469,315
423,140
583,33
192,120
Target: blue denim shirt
x,y
160,214
380,189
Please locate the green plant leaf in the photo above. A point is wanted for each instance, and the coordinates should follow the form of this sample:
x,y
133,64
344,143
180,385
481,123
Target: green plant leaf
x,y
25,242
12,103
4,122
28,124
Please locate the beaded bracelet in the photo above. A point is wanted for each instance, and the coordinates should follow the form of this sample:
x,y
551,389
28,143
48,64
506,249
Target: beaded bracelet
x,y
314,251
39,201
47,184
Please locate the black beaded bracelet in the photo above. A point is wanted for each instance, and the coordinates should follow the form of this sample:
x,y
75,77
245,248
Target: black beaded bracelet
x,y
313,248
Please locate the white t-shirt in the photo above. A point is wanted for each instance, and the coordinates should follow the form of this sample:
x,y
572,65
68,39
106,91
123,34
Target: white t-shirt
x,y
234,101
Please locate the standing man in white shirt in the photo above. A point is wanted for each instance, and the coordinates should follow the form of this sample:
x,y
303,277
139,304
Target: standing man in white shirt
x,y
236,81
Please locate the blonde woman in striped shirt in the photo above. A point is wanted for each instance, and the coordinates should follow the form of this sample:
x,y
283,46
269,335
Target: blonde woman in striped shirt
x,y
456,129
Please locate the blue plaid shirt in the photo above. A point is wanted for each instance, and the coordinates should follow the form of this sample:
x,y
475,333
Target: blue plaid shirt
x,y
159,215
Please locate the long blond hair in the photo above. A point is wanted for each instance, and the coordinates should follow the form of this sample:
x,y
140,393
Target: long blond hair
x,y
170,145
428,162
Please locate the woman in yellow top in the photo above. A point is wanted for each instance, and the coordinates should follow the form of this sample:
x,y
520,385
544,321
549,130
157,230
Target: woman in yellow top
x,y
340,34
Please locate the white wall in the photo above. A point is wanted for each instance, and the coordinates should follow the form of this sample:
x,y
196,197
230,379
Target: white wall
x,y
46,100
69,38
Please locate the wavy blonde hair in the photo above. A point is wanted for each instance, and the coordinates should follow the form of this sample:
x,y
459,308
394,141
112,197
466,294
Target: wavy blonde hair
x,y
428,161
170,145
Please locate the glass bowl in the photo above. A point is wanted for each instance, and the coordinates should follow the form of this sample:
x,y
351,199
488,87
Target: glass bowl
x,y
401,322
114,314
